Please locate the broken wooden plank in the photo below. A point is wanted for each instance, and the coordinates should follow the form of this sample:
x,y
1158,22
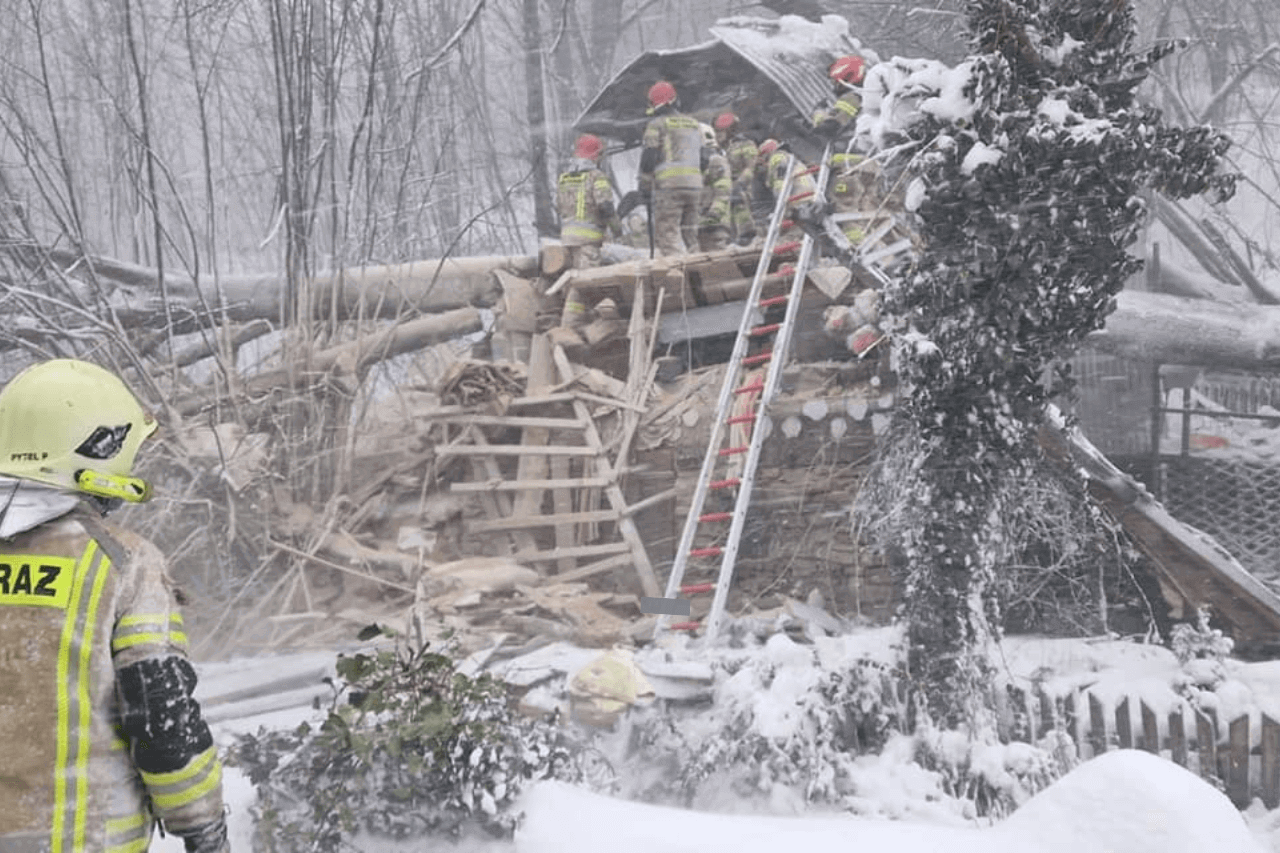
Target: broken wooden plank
x,y
536,556
499,485
526,521
591,569
515,450
652,500
626,525
512,421
496,502
531,467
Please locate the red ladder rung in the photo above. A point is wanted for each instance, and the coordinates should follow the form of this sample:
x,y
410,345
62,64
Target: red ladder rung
x,y
725,484
747,389
786,269
773,300
685,626
816,167
800,197
695,588
785,224
710,551
715,516
734,451
760,358
741,419
767,329
784,248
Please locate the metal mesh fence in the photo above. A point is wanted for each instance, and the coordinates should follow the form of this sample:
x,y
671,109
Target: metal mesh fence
x,y
1219,472
1237,502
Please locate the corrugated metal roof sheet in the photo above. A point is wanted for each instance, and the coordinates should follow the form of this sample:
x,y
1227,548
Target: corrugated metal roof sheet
x,y
794,53
772,73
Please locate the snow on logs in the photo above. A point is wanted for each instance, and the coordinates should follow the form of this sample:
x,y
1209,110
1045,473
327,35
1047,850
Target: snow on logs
x,y
1201,332
429,286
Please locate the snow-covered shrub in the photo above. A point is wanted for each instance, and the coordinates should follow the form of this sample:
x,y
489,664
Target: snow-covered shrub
x,y
995,777
780,719
410,747
1202,651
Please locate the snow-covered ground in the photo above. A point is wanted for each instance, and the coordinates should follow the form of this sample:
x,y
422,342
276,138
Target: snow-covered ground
x,y
1127,801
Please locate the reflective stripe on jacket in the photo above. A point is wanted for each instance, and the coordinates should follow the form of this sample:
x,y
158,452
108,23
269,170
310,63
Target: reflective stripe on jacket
x,y
678,139
843,111
76,607
584,198
803,186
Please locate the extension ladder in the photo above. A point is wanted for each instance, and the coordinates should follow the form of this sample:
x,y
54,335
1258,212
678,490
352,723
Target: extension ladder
x,y
755,422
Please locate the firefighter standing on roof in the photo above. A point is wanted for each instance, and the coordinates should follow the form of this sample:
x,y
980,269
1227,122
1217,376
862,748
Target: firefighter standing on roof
x,y
714,231
847,74
101,735
741,153
584,200
671,171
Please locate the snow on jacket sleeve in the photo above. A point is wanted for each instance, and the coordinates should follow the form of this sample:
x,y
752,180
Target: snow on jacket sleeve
x,y
170,742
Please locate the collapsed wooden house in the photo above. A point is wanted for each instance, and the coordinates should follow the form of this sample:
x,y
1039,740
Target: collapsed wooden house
x,y
571,461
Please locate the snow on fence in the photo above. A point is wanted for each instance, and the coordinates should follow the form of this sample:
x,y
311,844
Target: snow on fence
x,y
1241,756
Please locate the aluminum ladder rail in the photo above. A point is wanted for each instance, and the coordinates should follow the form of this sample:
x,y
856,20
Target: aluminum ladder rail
x,y
776,358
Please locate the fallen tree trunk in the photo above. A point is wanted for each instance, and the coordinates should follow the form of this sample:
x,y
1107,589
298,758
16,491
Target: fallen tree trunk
x,y
1177,330
429,286
351,359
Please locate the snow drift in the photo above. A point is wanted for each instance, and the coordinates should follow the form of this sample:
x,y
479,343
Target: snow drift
x,y
1125,801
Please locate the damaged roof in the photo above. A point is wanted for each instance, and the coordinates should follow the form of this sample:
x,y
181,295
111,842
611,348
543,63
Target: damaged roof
x,y
771,72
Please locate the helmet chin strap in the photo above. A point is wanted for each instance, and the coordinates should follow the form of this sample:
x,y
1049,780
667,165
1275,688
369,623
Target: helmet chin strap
x,y
132,489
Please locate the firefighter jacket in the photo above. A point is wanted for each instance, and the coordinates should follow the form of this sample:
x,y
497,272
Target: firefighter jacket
x,y
841,113
803,186
584,200
101,735
716,187
742,154
672,155
855,183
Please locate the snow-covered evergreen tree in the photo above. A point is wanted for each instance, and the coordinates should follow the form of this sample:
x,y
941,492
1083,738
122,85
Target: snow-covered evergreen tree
x,y
1028,187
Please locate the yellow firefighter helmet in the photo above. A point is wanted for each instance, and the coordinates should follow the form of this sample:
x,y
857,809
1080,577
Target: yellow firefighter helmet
x,y
75,425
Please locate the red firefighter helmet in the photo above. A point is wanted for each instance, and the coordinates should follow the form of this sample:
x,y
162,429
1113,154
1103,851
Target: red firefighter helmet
x,y
588,147
768,147
661,94
725,121
848,70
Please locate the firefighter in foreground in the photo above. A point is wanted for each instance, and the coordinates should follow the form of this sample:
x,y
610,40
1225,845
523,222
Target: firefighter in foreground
x,y
741,153
671,171
101,735
584,199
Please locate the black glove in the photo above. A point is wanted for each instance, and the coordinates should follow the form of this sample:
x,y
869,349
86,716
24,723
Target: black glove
x,y
828,128
630,202
210,838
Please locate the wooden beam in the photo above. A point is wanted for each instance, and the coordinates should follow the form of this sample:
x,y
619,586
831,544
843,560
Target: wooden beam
x,y
498,485
536,556
526,521
515,450
514,421
617,561
626,525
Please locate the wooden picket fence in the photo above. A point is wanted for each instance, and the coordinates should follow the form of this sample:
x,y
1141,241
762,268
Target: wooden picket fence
x,y
1191,738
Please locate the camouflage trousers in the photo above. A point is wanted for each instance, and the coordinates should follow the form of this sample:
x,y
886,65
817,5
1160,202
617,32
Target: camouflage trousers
x,y
675,219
